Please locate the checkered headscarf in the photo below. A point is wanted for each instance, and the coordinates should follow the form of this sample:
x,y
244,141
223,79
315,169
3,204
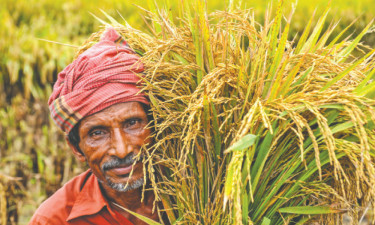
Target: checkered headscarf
x,y
103,75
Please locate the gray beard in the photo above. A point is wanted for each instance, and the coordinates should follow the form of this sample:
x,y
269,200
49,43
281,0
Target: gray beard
x,y
123,187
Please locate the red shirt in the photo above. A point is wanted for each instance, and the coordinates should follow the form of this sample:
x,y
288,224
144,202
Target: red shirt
x,y
80,201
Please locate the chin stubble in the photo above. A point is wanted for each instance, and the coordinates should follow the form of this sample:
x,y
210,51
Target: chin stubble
x,y
123,187
116,162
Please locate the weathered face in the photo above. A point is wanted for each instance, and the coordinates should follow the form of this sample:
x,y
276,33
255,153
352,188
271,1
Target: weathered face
x,y
110,139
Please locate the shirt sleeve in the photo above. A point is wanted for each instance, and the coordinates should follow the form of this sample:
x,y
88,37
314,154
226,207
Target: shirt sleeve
x,y
40,220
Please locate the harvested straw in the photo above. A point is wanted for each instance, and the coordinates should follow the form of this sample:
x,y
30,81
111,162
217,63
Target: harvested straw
x,y
251,128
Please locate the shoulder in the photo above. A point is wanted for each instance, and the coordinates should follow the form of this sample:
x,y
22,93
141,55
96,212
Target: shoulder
x,y
56,209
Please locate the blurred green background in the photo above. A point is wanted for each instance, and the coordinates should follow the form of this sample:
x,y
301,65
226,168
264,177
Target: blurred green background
x,y
34,159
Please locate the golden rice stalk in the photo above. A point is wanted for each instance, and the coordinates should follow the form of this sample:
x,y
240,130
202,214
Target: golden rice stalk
x,y
252,128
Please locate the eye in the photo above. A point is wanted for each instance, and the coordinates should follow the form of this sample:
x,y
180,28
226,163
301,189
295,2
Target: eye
x,y
96,133
133,123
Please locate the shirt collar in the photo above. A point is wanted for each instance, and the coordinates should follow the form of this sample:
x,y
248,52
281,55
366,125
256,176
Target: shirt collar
x,y
89,201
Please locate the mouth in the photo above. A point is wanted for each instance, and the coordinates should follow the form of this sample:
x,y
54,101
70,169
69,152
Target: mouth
x,y
122,170
121,167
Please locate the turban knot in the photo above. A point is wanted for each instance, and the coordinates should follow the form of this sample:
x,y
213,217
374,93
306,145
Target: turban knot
x,y
103,75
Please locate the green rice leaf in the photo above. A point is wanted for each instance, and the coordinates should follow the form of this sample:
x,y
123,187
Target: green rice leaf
x,y
322,41
143,218
228,187
266,221
274,76
309,210
242,144
263,153
289,79
244,203
178,220
301,79
310,43
272,38
345,52
303,220
334,41
361,88
305,34
215,124
346,71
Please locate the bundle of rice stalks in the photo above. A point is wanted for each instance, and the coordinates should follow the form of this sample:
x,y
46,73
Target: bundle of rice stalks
x,y
252,128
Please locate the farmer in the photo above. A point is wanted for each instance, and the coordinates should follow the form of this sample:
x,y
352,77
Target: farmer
x,y
97,103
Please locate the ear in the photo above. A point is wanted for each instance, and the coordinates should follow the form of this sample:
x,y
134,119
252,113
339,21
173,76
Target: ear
x,y
77,153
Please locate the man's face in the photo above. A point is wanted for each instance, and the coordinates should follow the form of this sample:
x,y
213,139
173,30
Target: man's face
x,y
110,139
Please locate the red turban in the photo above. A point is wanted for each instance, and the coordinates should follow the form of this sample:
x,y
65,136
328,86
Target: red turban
x,y
103,75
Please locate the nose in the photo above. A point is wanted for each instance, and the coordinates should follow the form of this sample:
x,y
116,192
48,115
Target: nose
x,y
121,147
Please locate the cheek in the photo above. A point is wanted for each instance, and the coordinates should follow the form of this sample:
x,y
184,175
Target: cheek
x,y
96,143
94,155
141,139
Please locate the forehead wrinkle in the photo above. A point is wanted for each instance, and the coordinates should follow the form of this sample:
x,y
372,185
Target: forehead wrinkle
x,y
123,107
87,123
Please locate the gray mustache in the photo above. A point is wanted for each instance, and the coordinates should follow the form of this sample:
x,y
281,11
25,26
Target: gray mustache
x,y
116,162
